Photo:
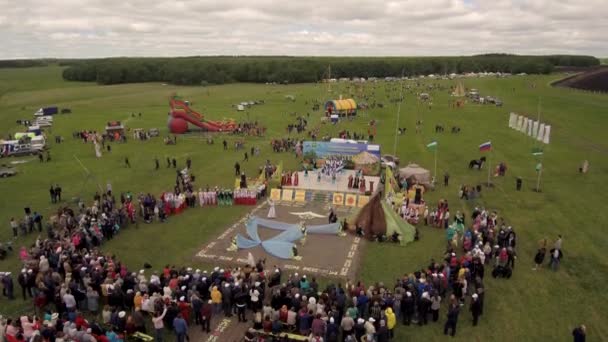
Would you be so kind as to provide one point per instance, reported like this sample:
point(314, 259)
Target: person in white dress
point(271, 212)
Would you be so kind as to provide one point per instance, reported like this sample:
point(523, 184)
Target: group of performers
point(245, 196)
point(332, 166)
point(439, 217)
point(411, 215)
point(289, 179)
point(358, 182)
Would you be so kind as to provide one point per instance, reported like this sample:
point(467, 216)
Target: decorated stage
point(311, 182)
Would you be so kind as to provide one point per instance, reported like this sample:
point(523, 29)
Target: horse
point(477, 164)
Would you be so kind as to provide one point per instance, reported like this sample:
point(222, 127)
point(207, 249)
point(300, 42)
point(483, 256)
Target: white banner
point(541, 132)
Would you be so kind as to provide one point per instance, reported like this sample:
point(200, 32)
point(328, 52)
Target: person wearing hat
point(206, 315)
point(423, 308)
point(370, 329)
point(475, 308)
point(359, 329)
point(407, 308)
point(216, 298)
point(391, 321)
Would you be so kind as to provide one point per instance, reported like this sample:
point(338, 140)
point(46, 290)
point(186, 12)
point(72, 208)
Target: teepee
point(377, 218)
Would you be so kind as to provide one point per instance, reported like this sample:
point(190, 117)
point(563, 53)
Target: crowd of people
point(66, 276)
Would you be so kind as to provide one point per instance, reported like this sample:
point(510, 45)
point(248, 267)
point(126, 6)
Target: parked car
point(389, 160)
point(7, 171)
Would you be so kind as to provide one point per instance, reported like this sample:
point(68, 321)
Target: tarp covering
point(342, 107)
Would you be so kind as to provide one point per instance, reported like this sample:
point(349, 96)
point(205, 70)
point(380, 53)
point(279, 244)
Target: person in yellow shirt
point(391, 321)
point(216, 298)
point(137, 300)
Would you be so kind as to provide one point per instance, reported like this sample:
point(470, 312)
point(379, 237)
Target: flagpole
point(489, 166)
point(538, 179)
point(435, 172)
point(398, 113)
point(536, 143)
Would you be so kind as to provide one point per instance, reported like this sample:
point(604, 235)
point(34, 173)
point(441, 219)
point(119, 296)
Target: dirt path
point(223, 329)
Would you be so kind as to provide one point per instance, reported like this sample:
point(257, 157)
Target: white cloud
point(95, 28)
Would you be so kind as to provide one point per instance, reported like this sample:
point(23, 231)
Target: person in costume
point(362, 185)
point(296, 180)
point(233, 245)
point(271, 212)
point(294, 253)
point(319, 176)
point(350, 181)
point(303, 230)
point(288, 175)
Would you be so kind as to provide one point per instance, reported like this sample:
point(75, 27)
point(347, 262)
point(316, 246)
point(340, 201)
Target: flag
point(389, 180)
point(487, 146)
point(278, 172)
point(432, 145)
point(537, 151)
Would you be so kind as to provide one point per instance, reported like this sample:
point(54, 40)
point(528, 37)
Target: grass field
point(531, 306)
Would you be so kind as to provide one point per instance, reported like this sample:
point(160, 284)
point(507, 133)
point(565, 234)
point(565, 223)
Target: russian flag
point(487, 146)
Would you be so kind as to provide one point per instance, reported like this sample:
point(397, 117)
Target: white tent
point(520, 122)
point(535, 129)
point(547, 133)
point(541, 132)
point(512, 120)
point(530, 124)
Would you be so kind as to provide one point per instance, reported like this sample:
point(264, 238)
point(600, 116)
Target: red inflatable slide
point(181, 115)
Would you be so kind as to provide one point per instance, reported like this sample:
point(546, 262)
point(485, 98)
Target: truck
point(47, 111)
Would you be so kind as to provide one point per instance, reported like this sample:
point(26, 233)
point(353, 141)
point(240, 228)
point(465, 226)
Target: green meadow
point(531, 306)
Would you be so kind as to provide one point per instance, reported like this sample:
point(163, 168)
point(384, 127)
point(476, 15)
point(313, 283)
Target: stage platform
point(340, 185)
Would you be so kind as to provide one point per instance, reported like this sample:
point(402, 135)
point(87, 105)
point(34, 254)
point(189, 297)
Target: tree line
point(226, 69)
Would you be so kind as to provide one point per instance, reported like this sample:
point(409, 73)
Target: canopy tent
point(377, 218)
point(459, 90)
point(341, 107)
point(417, 173)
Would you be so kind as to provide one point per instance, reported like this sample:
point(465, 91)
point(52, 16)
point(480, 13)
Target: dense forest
point(226, 69)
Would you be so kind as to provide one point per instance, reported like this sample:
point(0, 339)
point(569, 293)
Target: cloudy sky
point(99, 28)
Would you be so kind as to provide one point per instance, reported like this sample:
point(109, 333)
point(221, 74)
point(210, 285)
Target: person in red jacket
point(206, 314)
point(184, 308)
